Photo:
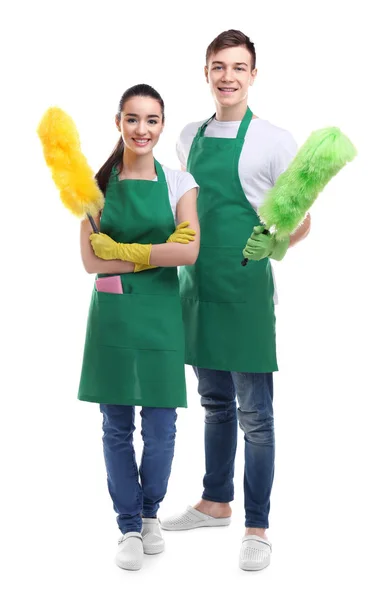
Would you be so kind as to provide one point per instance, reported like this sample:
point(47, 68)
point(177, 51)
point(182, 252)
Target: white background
point(317, 66)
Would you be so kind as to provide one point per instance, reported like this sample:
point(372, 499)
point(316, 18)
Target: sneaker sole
point(215, 523)
point(152, 550)
point(253, 568)
point(130, 567)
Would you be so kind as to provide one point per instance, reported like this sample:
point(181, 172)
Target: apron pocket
point(136, 321)
point(217, 276)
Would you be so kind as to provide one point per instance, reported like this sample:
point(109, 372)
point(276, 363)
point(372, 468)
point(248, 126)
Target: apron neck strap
point(202, 129)
point(242, 128)
point(159, 171)
point(244, 124)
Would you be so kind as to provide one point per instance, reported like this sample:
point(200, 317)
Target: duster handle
point(93, 224)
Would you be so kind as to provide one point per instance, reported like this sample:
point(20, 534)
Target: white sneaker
point(191, 518)
point(153, 542)
point(130, 553)
point(255, 553)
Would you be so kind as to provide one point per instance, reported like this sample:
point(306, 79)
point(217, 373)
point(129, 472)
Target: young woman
point(134, 350)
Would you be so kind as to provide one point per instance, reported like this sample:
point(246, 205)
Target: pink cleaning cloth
point(111, 285)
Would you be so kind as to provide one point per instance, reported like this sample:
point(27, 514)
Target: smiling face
point(229, 73)
point(140, 124)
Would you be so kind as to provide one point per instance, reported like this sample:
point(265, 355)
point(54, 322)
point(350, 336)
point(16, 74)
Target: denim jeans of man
point(137, 492)
point(254, 392)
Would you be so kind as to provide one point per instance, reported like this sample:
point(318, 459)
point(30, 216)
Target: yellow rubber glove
point(107, 249)
point(182, 235)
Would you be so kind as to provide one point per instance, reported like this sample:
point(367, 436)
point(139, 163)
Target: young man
point(228, 309)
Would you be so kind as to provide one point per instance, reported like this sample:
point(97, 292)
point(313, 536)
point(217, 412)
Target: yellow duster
point(70, 171)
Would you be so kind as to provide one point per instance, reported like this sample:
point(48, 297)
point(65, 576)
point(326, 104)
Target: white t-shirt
point(179, 182)
point(267, 152)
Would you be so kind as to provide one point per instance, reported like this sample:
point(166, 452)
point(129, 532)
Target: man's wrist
point(280, 248)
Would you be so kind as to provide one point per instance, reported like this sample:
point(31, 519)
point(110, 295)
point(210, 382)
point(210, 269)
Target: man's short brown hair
point(230, 39)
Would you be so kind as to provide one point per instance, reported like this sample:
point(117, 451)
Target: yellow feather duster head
point(70, 171)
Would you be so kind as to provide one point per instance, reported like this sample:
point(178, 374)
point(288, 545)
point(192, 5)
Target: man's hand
point(265, 245)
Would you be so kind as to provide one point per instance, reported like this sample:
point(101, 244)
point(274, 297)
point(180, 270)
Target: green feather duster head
point(321, 157)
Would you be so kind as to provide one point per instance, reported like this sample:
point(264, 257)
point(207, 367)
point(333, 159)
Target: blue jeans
point(254, 392)
point(133, 497)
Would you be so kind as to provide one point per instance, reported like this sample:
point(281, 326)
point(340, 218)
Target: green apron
point(228, 309)
point(134, 349)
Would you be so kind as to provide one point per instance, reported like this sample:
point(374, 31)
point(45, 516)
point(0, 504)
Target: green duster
point(321, 157)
